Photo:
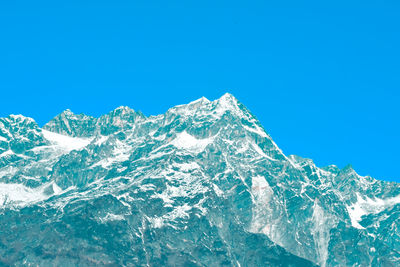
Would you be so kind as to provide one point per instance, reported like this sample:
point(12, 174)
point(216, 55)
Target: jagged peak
point(225, 102)
point(19, 117)
point(67, 112)
point(204, 99)
point(69, 123)
point(331, 168)
point(122, 112)
point(228, 102)
point(123, 108)
point(201, 100)
point(348, 171)
point(228, 97)
point(70, 115)
point(348, 168)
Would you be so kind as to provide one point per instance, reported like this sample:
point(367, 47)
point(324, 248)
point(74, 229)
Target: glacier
point(202, 185)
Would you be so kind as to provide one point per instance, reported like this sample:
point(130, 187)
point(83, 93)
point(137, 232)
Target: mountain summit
point(201, 185)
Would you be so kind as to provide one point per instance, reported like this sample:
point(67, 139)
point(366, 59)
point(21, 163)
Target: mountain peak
point(121, 111)
point(348, 168)
point(67, 112)
point(227, 101)
point(201, 100)
point(71, 124)
point(20, 118)
point(228, 96)
point(206, 170)
point(124, 108)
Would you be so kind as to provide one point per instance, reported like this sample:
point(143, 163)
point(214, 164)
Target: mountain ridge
point(210, 160)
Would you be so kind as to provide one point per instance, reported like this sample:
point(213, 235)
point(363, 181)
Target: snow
point(200, 100)
point(217, 190)
point(178, 212)
point(101, 140)
point(156, 222)
point(112, 217)
point(259, 151)
point(262, 196)
point(321, 232)
point(226, 102)
point(20, 117)
point(186, 166)
point(241, 147)
point(8, 170)
point(56, 189)
point(186, 141)
point(256, 130)
point(365, 206)
point(7, 153)
point(66, 143)
point(120, 153)
point(19, 194)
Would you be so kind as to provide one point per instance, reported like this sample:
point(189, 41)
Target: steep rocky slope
point(202, 185)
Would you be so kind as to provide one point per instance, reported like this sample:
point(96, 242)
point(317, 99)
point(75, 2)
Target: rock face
point(201, 185)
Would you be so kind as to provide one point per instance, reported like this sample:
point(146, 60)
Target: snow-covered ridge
point(207, 162)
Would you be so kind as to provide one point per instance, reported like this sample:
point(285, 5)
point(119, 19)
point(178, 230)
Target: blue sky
point(323, 77)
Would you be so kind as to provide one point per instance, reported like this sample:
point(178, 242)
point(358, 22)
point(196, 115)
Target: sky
point(323, 77)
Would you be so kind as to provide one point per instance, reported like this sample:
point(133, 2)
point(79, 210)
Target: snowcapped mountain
point(201, 185)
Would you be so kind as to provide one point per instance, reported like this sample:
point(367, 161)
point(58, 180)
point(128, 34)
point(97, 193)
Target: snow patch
point(7, 153)
point(19, 194)
point(186, 166)
point(178, 213)
point(56, 189)
point(112, 217)
point(186, 141)
point(66, 143)
point(262, 195)
point(101, 140)
point(321, 232)
point(365, 206)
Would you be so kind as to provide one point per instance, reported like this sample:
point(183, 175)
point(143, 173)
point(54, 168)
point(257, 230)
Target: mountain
point(201, 185)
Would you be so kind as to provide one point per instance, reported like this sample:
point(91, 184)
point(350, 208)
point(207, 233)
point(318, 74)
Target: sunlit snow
point(19, 194)
point(365, 205)
point(64, 142)
point(186, 141)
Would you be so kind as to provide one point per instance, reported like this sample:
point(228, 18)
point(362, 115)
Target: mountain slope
point(202, 184)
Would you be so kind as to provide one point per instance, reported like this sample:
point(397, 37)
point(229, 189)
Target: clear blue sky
point(323, 77)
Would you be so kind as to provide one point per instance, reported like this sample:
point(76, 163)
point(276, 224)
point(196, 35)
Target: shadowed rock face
point(201, 185)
